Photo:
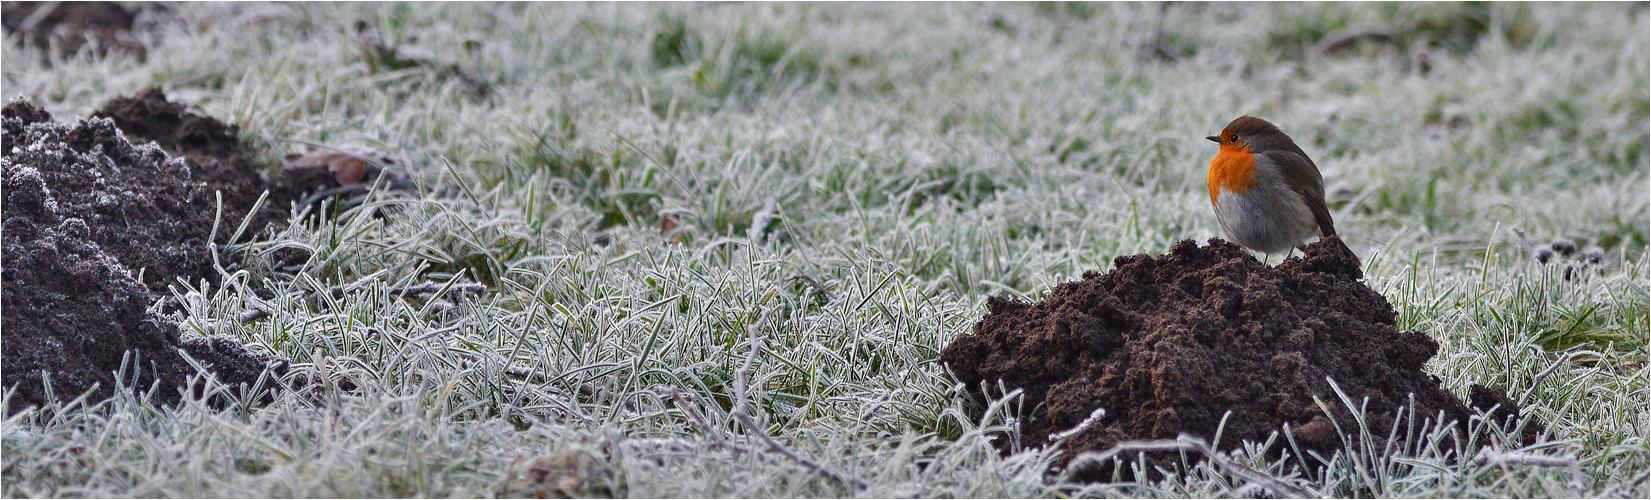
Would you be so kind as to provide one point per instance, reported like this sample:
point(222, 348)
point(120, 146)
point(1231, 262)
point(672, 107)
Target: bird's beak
point(1214, 138)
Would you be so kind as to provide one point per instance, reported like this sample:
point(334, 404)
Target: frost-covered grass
point(844, 186)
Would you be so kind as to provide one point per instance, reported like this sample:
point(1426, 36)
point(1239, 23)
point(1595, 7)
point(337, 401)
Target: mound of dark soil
point(214, 155)
point(1168, 345)
point(84, 209)
point(71, 24)
point(149, 116)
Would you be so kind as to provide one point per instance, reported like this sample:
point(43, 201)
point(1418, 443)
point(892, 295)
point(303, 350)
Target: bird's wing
point(1304, 176)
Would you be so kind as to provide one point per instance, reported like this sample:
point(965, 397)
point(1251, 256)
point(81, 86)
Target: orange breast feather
point(1233, 169)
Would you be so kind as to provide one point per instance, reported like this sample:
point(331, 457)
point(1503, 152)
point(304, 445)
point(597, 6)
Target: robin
point(1268, 195)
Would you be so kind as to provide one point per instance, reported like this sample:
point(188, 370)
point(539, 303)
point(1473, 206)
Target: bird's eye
point(1235, 137)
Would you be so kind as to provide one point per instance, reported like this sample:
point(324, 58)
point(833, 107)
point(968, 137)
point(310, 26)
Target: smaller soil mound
point(157, 219)
point(1169, 344)
point(149, 116)
point(71, 24)
point(83, 207)
point(215, 157)
point(143, 208)
point(213, 152)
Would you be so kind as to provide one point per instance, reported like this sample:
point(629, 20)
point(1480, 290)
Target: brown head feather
point(1261, 137)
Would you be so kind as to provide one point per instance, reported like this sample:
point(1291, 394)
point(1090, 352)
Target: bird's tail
point(1336, 250)
point(1341, 246)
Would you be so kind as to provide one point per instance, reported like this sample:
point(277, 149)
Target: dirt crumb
point(1169, 344)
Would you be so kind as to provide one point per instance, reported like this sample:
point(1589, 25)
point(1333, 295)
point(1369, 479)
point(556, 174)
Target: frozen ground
point(645, 187)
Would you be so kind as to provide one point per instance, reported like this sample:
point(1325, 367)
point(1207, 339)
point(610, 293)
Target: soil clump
point(215, 155)
point(157, 216)
point(1169, 344)
point(84, 210)
point(212, 150)
point(71, 25)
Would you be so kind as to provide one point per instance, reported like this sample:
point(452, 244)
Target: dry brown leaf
point(558, 475)
point(347, 168)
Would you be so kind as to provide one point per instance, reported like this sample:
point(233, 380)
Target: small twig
point(424, 289)
point(224, 278)
point(865, 418)
point(1345, 39)
point(693, 416)
point(818, 287)
point(740, 413)
point(744, 373)
point(328, 193)
point(1094, 416)
point(759, 222)
point(212, 246)
point(1098, 458)
point(1523, 241)
point(1541, 377)
point(524, 373)
point(1488, 455)
point(254, 314)
point(1186, 442)
point(40, 14)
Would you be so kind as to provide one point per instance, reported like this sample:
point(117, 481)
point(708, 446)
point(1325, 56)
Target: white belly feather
point(1269, 218)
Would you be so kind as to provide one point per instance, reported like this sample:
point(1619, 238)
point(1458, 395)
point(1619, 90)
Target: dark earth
point(214, 150)
point(1169, 344)
point(175, 245)
point(71, 25)
point(95, 229)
